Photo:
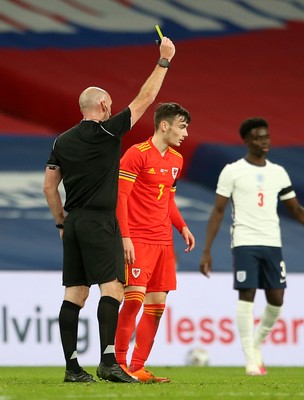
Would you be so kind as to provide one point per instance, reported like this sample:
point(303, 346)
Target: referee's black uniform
point(88, 156)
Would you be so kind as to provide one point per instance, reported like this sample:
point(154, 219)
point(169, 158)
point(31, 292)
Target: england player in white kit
point(254, 185)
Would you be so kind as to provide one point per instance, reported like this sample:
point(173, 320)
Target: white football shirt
point(254, 192)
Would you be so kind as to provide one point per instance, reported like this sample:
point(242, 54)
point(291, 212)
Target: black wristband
point(164, 62)
point(59, 226)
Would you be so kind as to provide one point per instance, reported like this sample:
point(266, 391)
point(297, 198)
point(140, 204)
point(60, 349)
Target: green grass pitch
point(46, 383)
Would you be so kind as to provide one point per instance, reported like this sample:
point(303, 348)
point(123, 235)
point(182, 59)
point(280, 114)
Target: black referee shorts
point(92, 248)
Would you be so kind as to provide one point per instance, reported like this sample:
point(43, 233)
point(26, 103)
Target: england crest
point(241, 276)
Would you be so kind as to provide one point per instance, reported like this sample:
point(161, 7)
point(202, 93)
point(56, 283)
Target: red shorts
point(154, 268)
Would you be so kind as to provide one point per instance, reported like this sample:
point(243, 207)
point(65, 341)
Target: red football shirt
point(146, 208)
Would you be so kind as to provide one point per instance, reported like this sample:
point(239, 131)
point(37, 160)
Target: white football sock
point(245, 325)
point(268, 319)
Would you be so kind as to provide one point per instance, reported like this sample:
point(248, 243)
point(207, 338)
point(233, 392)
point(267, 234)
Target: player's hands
point(188, 238)
point(167, 48)
point(129, 251)
point(206, 264)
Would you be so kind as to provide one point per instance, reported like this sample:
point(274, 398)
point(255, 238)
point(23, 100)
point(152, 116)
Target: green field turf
point(46, 383)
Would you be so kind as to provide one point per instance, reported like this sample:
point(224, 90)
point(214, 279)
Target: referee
point(86, 159)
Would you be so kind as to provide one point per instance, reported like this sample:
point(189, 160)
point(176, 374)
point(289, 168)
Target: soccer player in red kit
point(146, 212)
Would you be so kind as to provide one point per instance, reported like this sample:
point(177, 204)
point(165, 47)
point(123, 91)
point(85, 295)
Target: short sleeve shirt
point(254, 192)
point(88, 155)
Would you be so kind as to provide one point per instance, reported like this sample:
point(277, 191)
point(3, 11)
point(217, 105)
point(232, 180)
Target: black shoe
point(81, 376)
point(114, 373)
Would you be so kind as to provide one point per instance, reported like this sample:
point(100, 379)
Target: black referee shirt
point(88, 155)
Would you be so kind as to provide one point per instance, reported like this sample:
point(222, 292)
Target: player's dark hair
point(168, 112)
point(252, 123)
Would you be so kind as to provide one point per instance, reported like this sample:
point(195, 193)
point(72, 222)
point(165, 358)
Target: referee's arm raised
point(151, 87)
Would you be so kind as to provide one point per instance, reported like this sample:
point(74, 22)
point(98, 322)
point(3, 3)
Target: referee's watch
point(164, 62)
point(59, 226)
